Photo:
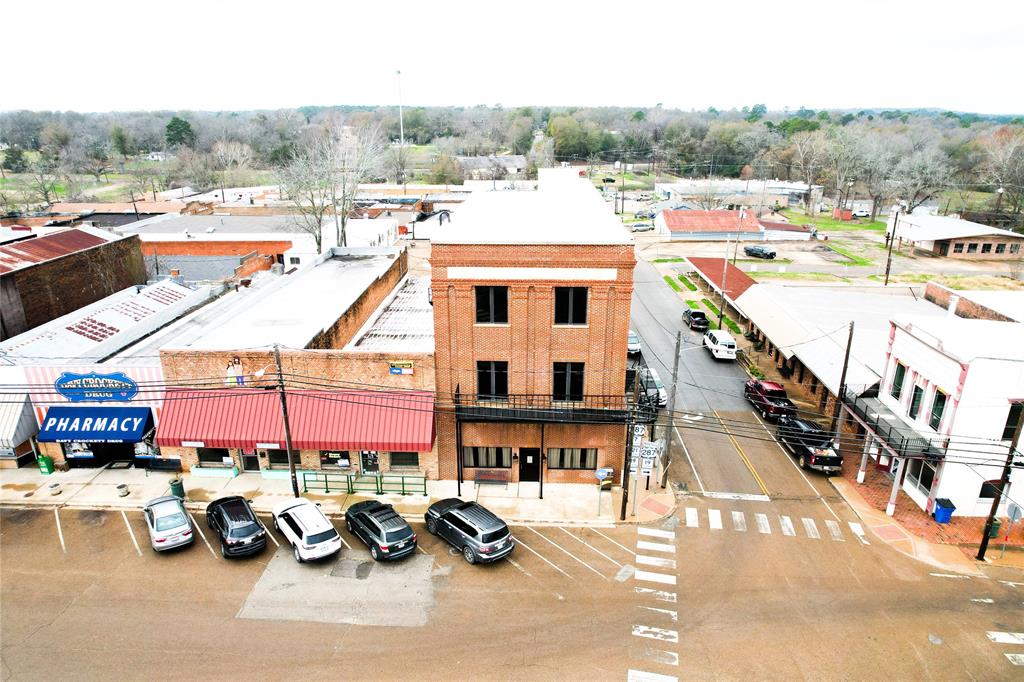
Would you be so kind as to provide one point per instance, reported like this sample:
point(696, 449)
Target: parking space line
point(195, 527)
point(660, 656)
point(787, 526)
point(674, 615)
point(591, 547)
point(656, 561)
point(833, 529)
point(686, 451)
point(1006, 637)
point(715, 519)
point(613, 541)
point(539, 556)
point(762, 523)
point(811, 529)
point(270, 534)
point(655, 547)
point(60, 532)
point(657, 533)
point(570, 554)
point(1016, 659)
point(739, 521)
point(130, 532)
point(858, 530)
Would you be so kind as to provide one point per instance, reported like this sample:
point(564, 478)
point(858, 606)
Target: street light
point(999, 198)
point(401, 122)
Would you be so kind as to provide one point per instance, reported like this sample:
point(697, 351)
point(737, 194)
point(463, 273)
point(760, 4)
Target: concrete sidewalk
point(516, 503)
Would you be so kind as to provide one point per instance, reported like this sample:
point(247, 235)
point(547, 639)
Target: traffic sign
point(603, 473)
point(1014, 512)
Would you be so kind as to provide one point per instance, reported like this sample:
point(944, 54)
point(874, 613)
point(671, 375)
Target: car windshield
point(633, 338)
point(170, 521)
point(728, 344)
point(778, 394)
point(400, 534)
point(317, 538)
point(244, 531)
point(697, 315)
point(494, 535)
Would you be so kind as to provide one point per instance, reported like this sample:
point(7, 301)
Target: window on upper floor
point(1013, 419)
point(915, 402)
point(491, 305)
point(492, 380)
point(568, 381)
point(938, 408)
point(570, 305)
point(897, 380)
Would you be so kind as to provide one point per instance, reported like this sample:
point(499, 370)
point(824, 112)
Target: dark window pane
point(570, 305)
point(491, 379)
point(492, 305)
point(938, 407)
point(579, 305)
point(562, 305)
point(278, 457)
point(212, 455)
point(568, 381)
point(1012, 419)
point(915, 402)
point(897, 380)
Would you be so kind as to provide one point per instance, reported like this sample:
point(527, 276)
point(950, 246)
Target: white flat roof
point(924, 227)
point(566, 209)
point(202, 227)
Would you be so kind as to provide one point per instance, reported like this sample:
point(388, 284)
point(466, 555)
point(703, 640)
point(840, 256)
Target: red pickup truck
point(769, 398)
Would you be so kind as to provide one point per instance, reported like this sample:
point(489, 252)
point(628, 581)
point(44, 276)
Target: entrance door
point(371, 464)
point(250, 461)
point(529, 464)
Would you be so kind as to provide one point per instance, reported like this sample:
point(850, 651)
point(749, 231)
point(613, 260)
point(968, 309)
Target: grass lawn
point(825, 223)
point(668, 260)
point(853, 258)
point(687, 283)
point(672, 283)
point(805, 276)
point(693, 304)
point(784, 261)
point(955, 281)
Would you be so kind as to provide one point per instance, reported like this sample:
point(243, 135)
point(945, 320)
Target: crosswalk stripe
point(644, 676)
point(858, 530)
point(833, 529)
point(739, 522)
point(691, 518)
point(787, 526)
point(656, 533)
point(1016, 659)
point(673, 615)
point(655, 546)
point(660, 595)
point(715, 519)
point(660, 634)
point(1006, 637)
point(652, 577)
point(762, 523)
point(655, 561)
point(811, 529)
point(660, 656)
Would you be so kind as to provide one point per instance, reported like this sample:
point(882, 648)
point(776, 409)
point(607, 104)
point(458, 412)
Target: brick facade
point(201, 247)
point(943, 296)
point(1012, 248)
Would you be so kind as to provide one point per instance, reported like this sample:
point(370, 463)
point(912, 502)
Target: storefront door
point(250, 461)
point(369, 461)
point(529, 464)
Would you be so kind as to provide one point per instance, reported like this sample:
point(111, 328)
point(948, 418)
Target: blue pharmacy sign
point(93, 387)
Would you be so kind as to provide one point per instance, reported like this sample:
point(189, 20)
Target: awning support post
point(897, 475)
point(862, 471)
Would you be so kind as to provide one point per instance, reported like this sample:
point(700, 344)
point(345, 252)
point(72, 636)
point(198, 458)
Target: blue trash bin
point(943, 510)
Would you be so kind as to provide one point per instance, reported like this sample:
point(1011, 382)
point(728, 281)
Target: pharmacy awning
point(66, 424)
point(250, 418)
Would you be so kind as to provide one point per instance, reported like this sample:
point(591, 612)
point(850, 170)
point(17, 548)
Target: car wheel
point(298, 557)
point(432, 526)
point(375, 553)
point(467, 554)
point(223, 550)
point(764, 414)
point(803, 462)
point(348, 525)
point(275, 524)
point(209, 523)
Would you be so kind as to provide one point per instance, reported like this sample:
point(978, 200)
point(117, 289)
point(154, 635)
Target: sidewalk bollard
point(55, 489)
point(122, 490)
point(178, 488)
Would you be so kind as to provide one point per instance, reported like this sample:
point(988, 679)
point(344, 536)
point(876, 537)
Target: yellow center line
point(743, 455)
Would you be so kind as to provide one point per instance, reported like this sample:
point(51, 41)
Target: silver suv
point(476, 531)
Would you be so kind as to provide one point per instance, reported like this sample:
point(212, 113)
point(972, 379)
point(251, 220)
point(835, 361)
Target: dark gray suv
point(378, 525)
point(477, 532)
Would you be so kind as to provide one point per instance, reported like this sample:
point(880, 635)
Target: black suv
point(759, 252)
point(386, 533)
point(240, 532)
point(811, 444)
point(476, 531)
point(696, 320)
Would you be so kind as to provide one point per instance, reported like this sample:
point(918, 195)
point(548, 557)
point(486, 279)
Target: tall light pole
point(999, 198)
point(401, 121)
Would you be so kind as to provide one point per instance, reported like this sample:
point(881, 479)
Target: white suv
point(721, 345)
point(307, 530)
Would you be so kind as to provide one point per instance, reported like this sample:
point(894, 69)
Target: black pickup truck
point(769, 398)
point(695, 320)
point(810, 444)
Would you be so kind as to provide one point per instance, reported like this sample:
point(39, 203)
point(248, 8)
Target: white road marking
point(60, 532)
point(834, 531)
point(692, 521)
point(655, 561)
point(657, 533)
point(950, 575)
point(745, 497)
point(660, 595)
point(787, 525)
point(858, 530)
point(688, 458)
point(1016, 659)
point(762, 523)
point(527, 548)
point(984, 601)
point(665, 612)
point(660, 656)
point(739, 522)
point(567, 552)
point(644, 676)
point(595, 549)
point(613, 541)
point(270, 534)
point(811, 529)
point(130, 532)
point(655, 546)
point(715, 519)
point(195, 529)
point(1012, 584)
point(1006, 637)
point(798, 469)
point(651, 577)
point(530, 576)
point(660, 634)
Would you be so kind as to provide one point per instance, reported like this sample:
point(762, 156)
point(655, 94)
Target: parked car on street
point(168, 523)
point(721, 344)
point(811, 444)
point(656, 388)
point(641, 227)
point(755, 251)
point(696, 320)
point(387, 534)
point(234, 521)
point(633, 343)
point(769, 398)
point(471, 528)
point(862, 213)
point(307, 530)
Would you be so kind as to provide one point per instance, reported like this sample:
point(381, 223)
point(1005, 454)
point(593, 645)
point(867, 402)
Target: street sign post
point(602, 475)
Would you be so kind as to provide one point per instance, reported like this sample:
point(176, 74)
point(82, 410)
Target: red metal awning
point(387, 421)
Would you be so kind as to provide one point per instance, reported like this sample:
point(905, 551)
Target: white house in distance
point(951, 395)
point(952, 237)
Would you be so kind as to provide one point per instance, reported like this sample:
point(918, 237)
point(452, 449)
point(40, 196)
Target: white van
point(721, 345)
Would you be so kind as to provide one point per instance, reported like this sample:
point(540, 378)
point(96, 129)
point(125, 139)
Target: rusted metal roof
point(736, 281)
point(41, 249)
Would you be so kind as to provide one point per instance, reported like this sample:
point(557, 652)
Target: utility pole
point(134, 207)
point(892, 239)
point(725, 276)
point(842, 388)
point(401, 120)
point(625, 465)
point(671, 410)
point(284, 415)
point(1004, 483)
point(622, 186)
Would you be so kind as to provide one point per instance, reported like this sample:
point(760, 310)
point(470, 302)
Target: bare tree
point(44, 174)
point(350, 156)
point(878, 159)
point(706, 198)
point(396, 161)
point(306, 180)
point(231, 154)
point(920, 175)
point(810, 153)
point(1004, 164)
point(844, 160)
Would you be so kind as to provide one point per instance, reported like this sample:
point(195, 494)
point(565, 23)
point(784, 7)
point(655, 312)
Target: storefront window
point(405, 459)
point(487, 457)
point(335, 460)
point(921, 474)
point(572, 458)
point(278, 459)
point(897, 380)
point(213, 456)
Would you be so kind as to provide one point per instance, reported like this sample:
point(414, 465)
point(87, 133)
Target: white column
point(897, 470)
point(868, 443)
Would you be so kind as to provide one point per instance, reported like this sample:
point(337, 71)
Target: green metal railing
point(336, 482)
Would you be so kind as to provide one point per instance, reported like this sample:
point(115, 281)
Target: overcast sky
point(224, 55)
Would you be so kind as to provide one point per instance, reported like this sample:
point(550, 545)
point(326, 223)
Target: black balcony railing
point(899, 436)
point(591, 409)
